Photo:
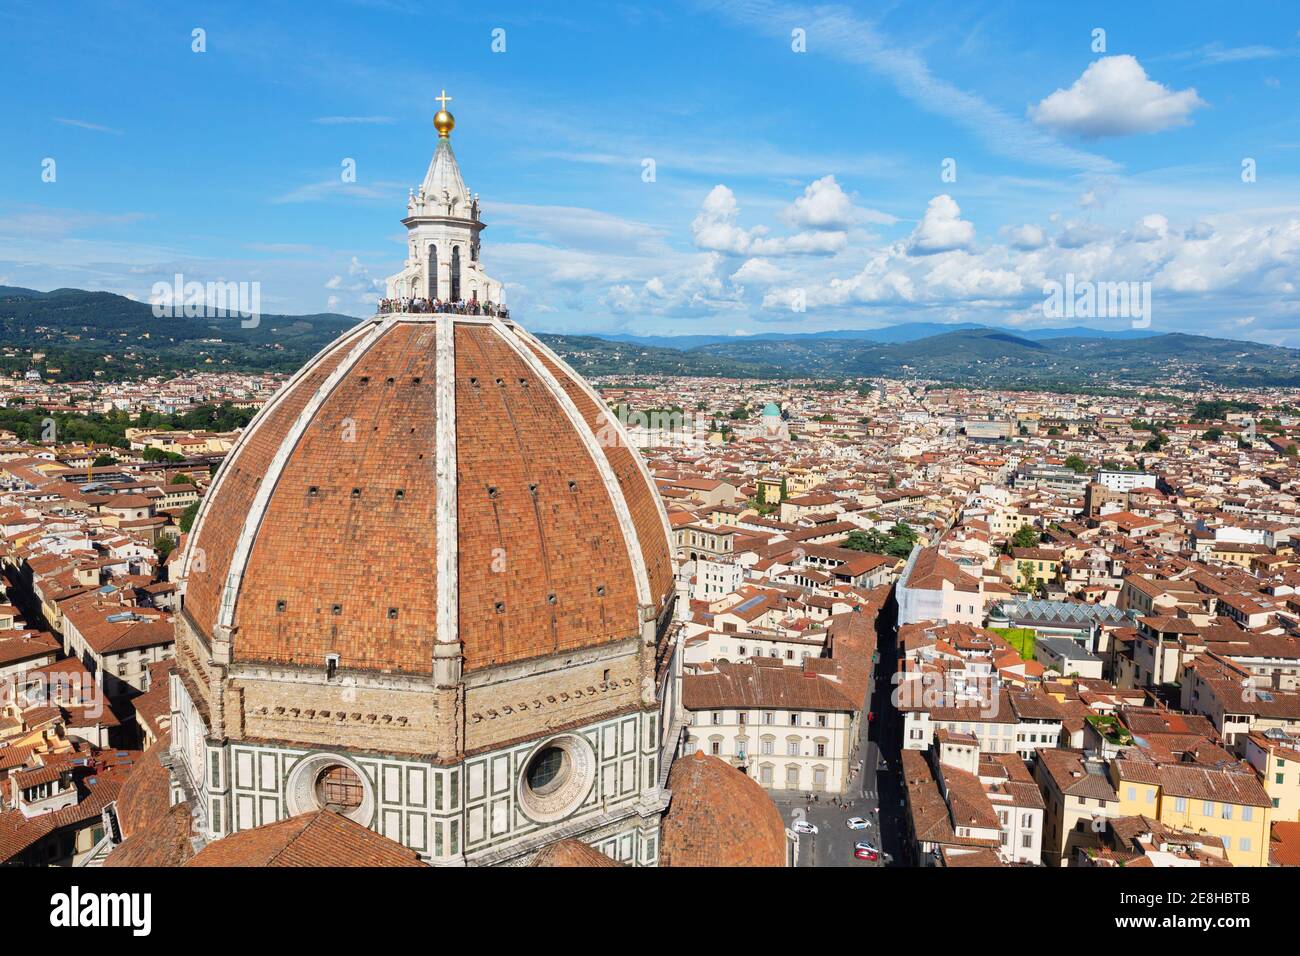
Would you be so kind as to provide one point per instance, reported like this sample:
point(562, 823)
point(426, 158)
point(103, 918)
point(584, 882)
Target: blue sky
point(792, 190)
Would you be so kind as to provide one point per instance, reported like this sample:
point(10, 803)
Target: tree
point(1026, 537)
point(1076, 464)
point(158, 454)
point(897, 543)
point(187, 517)
point(180, 478)
point(103, 461)
point(1212, 434)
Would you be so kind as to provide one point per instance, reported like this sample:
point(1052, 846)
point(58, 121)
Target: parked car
point(865, 851)
point(856, 823)
point(803, 826)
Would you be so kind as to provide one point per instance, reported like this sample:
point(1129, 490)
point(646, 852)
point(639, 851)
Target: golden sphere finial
point(443, 121)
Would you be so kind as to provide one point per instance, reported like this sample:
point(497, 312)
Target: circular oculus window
point(330, 781)
point(557, 777)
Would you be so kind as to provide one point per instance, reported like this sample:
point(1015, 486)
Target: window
point(1027, 841)
point(766, 745)
point(338, 788)
point(821, 722)
point(717, 717)
point(821, 750)
point(1244, 844)
point(715, 747)
point(792, 748)
point(792, 777)
point(765, 775)
point(1151, 795)
point(794, 719)
point(819, 778)
point(1227, 811)
point(1207, 808)
point(547, 771)
point(1180, 804)
point(1278, 777)
point(1132, 793)
point(1248, 813)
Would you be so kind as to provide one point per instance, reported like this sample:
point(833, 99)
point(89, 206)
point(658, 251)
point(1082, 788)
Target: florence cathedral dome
point(430, 586)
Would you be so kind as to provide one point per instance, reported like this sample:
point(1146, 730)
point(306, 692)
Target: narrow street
point(875, 793)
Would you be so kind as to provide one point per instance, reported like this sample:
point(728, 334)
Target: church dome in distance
point(718, 816)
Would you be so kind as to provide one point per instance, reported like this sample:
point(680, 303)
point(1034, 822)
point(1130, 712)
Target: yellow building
point(769, 490)
point(1035, 565)
point(1275, 755)
point(1229, 806)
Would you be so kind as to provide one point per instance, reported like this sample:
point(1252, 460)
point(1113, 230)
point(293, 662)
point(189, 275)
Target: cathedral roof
point(322, 838)
point(154, 832)
point(428, 478)
point(718, 816)
point(571, 853)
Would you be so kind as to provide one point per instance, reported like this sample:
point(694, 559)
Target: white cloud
point(82, 124)
point(577, 227)
point(1114, 97)
point(1028, 236)
point(335, 188)
point(759, 272)
point(860, 41)
point(1077, 234)
point(715, 229)
point(1205, 274)
point(941, 229)
point(1150, 228)
point(825, 205)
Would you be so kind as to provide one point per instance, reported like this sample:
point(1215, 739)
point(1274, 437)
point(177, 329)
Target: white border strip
point(622, 432)
point(448, 524)
point(606, 470)
point(258, 421)
point(257, 511)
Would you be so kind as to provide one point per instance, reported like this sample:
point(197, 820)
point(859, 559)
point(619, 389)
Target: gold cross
point(444, 99)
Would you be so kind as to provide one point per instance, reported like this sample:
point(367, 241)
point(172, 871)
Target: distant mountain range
point(77, 330)
point(84, 333)
point(981, 356)
point(903, 332)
